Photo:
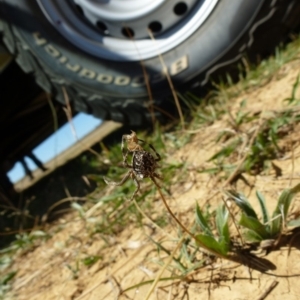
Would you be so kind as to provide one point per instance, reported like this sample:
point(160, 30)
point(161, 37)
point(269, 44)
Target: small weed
point(74, 270)
point(79, 208)
point(25, 241)
point(218, 244)
point(226, 151)
point(293, 99)
point(5, 283)
point(90, 260)
point(270, 227)
point(264, 148)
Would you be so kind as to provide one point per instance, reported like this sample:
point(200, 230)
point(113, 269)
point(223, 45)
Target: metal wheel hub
point(119, 29)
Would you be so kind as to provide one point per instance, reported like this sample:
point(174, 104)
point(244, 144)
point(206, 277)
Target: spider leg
point(118, 183)
point(136, 182)
point(125, 154)
point(158, 158)
point(127, 165)
point(124, 150)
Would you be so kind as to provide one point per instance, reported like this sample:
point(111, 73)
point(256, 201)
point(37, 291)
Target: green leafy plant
point(25, 241)
point(270, 227)
point(5, 283)
point(90, 260)
point(293, 99)
point(221, 243)
point(227, 150)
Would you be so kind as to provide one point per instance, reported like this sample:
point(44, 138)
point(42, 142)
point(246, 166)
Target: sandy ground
point(130, 257)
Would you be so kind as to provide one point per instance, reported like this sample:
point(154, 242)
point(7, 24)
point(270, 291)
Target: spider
point(143, 162)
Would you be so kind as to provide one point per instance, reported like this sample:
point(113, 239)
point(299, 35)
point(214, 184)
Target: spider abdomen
point(143, 164)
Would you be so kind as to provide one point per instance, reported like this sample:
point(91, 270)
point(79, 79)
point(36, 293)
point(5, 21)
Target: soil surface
point(54, 269)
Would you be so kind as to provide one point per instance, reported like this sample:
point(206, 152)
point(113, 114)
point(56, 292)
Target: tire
point(66, 43)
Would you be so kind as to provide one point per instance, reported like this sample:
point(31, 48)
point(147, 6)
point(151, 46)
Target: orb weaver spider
point(143, 163)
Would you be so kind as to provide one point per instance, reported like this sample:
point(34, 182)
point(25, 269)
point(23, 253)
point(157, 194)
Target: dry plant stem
point(158, 276)
point(169, 210)
point(291, 243)
point(53, 111)
point(293, 166)
point(182, 226)
point(55, 124)
point(146, 77)
point(66, 190)
point(93, 209)
point(10, 206)
point(234, 222)
point(268, 290)
point(69, 199)
point(171, 117)
point(151, 107)
point(176, 279)
point(68, 112)
point(91, 150)
point(165, 71)
point(113, 280)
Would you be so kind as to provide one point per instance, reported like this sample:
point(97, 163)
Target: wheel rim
point(119, 29)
